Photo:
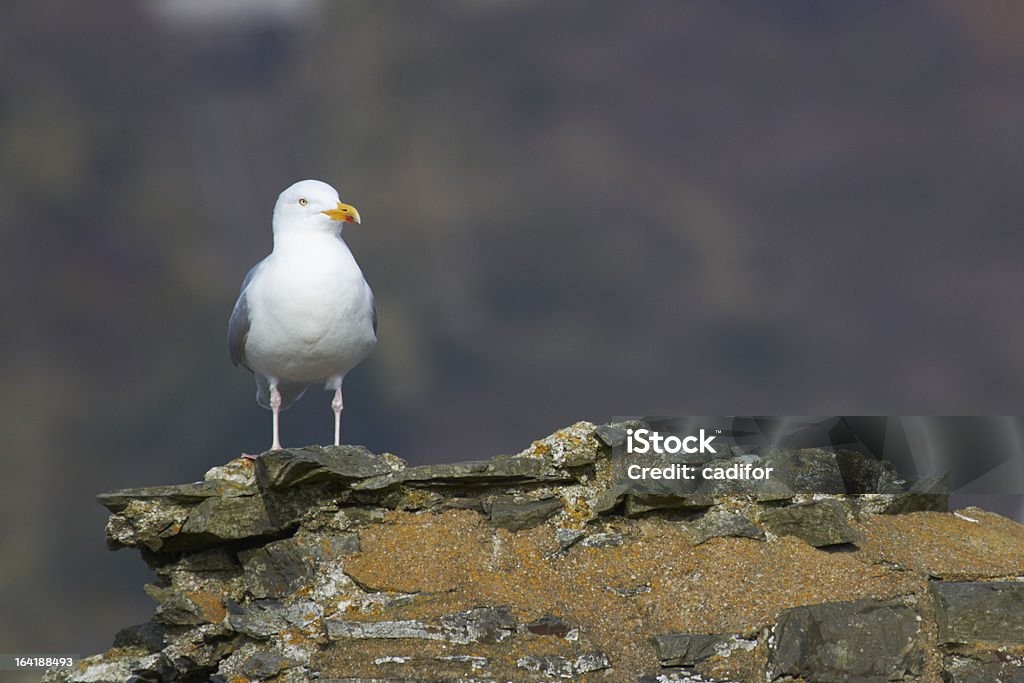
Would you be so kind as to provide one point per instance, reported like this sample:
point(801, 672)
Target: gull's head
point(312, 206)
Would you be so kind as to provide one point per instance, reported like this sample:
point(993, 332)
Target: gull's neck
point(306, 239)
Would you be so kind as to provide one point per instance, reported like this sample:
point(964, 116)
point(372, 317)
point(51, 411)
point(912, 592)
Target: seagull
point(305, 314)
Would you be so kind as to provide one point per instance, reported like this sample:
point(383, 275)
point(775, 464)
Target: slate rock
point(723, 523)
point(260, 619)
point(591, 661)
point(182, 494)
point(985, 667)
point(683, 649)
point(265, 665)
point(818, 523)
point(188, 517)
point(678, 674)
point(158, 668)
point(605, 539)
point(149, 635)
point(407, 498)
point(990, 612)
point(173, 608)
point(928, 494)
point(612, 436)
point(863, 474)
point(566, 538)
point(642, 495)
point(218, 520)
point(278, 546)
point(547, 665)
point(507, 512)
point(283, 469)
point(564, 667)
point(458, 503)
point(646, 495)
point(386, 630)
point(806, 470)
point(212, 561)
point(863, 641)
point(499, 471)
point(143, 524)
point(265, 618)
point(278, 568)
point(608, 500)
point(549, 625)
point(477, 625)
point(573, 446)
point(775, 487)
point(640, 503)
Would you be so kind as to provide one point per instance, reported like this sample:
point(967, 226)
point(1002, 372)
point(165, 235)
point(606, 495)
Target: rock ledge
point(337, 564)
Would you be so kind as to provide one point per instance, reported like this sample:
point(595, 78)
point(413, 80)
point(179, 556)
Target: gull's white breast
point(310, 311)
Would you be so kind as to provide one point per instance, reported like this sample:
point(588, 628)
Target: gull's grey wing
point(373, 313)
point(238, 330)
point(238, 325)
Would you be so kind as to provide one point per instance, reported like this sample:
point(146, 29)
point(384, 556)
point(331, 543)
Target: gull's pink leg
point(275, 405)
point(336, 406)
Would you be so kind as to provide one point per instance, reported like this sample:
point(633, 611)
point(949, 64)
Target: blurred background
point(570, 211)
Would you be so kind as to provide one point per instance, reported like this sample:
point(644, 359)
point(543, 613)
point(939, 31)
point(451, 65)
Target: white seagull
point(305, 314)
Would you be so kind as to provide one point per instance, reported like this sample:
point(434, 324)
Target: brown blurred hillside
point(571, 210)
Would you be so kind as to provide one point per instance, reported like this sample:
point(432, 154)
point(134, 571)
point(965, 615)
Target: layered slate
point(344, 565)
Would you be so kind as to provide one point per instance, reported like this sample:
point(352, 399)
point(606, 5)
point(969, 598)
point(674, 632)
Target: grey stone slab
point(819, 523)
point(864, 474)
point(516, 515)
point(989, 612)
point(219, 520)
point(259, 619)
point(929, 494)
point(984, 667)
point(276, 569)
point(282, 469)
point(806, 470)
point(477, 625)
point(684, 649)
point(495, 472)
point(549, 625)
point(863, 641)
point(182, 494)
point(722, 523)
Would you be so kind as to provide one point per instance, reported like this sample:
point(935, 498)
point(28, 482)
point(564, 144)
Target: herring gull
point(305, 314)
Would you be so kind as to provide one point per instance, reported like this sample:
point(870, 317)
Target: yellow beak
point(343, 212)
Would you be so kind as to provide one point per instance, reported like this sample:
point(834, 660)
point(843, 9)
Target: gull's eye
point(303, 201)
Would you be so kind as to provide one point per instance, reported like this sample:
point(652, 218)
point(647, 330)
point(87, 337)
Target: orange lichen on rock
point(210, 605)
point(411, 553)
point(655, 581)
point(972, 545)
